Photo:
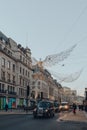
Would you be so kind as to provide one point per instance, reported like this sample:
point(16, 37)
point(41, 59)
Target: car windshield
point(56, 104)
point(63, 104)
point(43, 104)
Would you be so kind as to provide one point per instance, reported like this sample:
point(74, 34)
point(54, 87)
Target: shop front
point(11, 103)
point(2, 102)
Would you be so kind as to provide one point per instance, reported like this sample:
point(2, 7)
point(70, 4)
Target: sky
point(48, 27)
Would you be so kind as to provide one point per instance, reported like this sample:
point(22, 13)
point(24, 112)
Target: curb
point(16, 113)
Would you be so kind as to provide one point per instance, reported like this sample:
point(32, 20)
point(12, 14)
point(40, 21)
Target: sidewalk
point(3, 112)
point(80, 116)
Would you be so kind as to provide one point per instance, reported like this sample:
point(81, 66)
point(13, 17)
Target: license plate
point(40, 114)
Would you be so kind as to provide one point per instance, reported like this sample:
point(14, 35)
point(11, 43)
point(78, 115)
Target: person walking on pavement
point(6, 107)
point(74, 108)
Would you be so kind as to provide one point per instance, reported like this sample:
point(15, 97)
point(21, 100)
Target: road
point(27, 122)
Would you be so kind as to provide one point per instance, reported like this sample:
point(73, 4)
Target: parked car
point(64, 106)
point(44, 109)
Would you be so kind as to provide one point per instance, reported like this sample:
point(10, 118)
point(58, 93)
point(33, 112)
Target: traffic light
point(86, 95)
point(41, 95)
point(28, 90)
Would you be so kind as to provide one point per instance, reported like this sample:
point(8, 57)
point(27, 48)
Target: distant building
point(69, 95)
point(44, 86)
point(80, 99)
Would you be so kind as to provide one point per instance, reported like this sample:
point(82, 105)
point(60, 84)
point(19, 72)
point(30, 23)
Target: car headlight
point(60, 107)
point(66, 107)
point(46, 110)
point(35, 109)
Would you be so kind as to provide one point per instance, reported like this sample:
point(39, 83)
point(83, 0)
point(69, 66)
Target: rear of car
point(44, 109)
point(56, 106)
point(64, 106)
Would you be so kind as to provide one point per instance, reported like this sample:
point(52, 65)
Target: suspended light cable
point(74, 23)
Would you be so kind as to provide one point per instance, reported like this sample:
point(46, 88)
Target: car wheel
point(34, 115)
point(52, 114)
point(48, 115)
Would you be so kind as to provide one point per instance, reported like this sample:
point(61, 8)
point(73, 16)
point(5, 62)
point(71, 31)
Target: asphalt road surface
point(27, 122)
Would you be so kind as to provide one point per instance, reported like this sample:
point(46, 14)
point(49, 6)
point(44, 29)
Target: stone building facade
point(43, 85)
point(15, 72)
point(69, 95)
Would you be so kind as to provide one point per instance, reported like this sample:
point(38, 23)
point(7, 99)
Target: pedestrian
point(82, 107)
point(6, 107)
point(79, 107)
point(74, 108)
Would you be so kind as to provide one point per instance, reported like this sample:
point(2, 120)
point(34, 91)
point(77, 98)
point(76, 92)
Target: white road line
point(85, 114)
point(61, 118)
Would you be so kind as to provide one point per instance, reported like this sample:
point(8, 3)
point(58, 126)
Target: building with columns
point(69, 95)
point(43, 85)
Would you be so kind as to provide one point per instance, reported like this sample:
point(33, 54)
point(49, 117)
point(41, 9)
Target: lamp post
point(6, 95)
point(6, 103)
point(27, 94)
point(28, 91)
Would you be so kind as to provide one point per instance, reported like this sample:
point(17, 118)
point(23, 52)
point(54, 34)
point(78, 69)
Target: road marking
point(85, 114)
point(61, 118)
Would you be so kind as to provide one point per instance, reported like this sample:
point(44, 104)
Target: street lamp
point(6, 95)
point(27, 94)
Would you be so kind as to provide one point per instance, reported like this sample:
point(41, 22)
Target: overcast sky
point(49, 27)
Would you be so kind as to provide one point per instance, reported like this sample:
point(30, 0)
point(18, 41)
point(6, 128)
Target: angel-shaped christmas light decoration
point(66, 77)
point(51, 60)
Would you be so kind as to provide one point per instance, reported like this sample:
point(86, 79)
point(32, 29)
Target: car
point(56, 106)
point(64, 106)
point(44, 109)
